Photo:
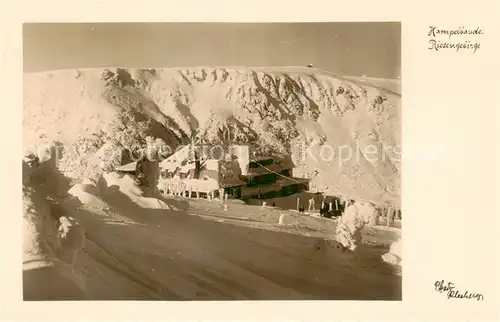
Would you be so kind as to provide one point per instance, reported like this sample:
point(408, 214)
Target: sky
point(372, 49)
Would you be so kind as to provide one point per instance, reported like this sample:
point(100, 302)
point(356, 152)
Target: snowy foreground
point(139, 248)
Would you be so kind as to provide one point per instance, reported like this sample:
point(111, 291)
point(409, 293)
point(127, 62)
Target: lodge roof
point(280, 162)
point(231, 182)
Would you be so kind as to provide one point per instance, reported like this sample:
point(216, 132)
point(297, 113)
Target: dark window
point(266, 162)
point(253, 165)
point(260, 163)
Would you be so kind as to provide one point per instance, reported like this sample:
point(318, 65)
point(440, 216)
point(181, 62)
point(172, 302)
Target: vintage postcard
point(251, 160)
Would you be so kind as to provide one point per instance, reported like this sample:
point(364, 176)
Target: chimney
point(243, 156)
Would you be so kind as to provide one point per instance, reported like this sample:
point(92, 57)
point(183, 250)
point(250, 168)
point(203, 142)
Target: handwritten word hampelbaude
point(435, 31)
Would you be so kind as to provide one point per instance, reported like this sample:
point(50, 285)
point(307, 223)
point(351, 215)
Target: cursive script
point(451, 292)
point(437, 45)
point(434, 31)
point(458, 39)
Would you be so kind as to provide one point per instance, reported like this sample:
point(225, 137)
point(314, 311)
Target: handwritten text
point(458, 39)
point(451, 292)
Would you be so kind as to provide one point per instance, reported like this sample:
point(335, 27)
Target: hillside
point(96, 114)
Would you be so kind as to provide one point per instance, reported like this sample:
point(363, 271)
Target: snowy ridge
point(278, 108)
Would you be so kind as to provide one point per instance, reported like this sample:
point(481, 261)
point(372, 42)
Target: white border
point(449, 105)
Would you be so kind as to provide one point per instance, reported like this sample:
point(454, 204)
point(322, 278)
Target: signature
point(453, 293)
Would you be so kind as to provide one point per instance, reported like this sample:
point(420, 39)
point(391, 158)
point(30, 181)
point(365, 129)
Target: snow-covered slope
point(282, 109)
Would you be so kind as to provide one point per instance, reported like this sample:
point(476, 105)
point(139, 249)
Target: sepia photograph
point(212, 161)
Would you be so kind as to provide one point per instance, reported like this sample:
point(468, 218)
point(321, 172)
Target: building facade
point(232, 170)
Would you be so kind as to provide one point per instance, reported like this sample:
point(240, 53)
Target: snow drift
point(394, 256)
point(51, 243)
